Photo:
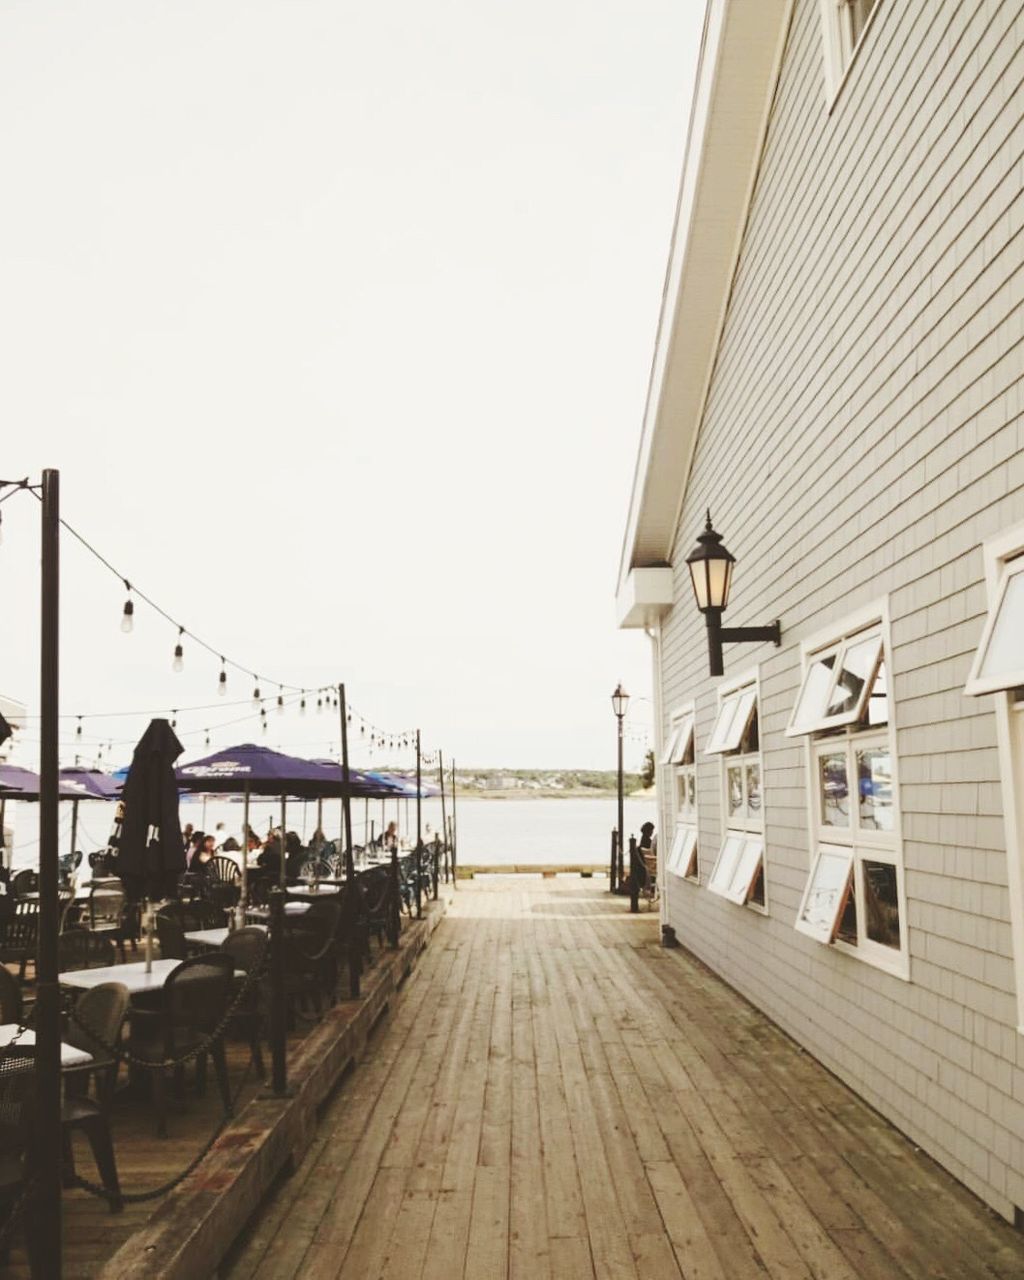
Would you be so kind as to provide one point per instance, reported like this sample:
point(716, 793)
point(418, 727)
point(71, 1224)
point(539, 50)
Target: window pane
point(882, 909)
point(826, 894)
point(874, 783)
point(753, 790)
point(690, 864)
point(726, 865)
point(734, 785)
point(810, 707)
point(834, 789)
point(681, 796)
point(858, 667)
point(747, 866)
point(691, 789)
point(878, 702)
point(1003, 655)
point(723, 723)
point(744, 711)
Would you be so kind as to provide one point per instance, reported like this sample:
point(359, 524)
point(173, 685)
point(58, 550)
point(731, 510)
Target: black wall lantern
point(710, 567)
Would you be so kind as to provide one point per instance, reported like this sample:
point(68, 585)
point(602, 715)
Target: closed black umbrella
point(151, 853)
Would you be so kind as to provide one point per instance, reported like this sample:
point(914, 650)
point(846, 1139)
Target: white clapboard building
point(838, 379)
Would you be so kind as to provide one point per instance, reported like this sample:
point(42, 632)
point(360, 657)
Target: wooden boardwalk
point(555, 1096)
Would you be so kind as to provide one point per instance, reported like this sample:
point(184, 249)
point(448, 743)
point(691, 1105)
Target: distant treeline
point(545, 780)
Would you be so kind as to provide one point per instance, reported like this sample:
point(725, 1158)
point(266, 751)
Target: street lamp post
point(620, 701)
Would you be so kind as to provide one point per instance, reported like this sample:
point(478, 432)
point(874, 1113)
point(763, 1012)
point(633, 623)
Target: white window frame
point(839, 49)
point(997, 553)
point(743, 835)
point(682, 779)
point(977, 684)
point(866, 845)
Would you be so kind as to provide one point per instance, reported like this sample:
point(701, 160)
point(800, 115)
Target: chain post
point(634, 877)
point(394, 915)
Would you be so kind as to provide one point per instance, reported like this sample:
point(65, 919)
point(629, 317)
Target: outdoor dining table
point(309, 891)
point(259, 914)
point(211, 937)
point(69, 1055)
point(133, 976)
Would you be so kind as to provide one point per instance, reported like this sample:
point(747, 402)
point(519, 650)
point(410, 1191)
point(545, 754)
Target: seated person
point(295, 855)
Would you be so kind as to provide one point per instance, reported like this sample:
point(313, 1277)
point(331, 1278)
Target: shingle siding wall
point(863, 435)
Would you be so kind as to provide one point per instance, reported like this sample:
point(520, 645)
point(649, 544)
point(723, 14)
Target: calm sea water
point(490, 832)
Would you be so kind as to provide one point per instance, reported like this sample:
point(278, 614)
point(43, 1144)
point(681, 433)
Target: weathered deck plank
point(557, 1096)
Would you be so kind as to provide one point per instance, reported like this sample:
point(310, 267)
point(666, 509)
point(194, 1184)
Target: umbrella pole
point(45, 1205)
point(366, 820)
point(3, 843)
point(281, 845)
point(245, 852)
point(354, 958)
point(74, 827)
point(320, 816)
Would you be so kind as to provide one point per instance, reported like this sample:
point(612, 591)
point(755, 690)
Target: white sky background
point(337, 320)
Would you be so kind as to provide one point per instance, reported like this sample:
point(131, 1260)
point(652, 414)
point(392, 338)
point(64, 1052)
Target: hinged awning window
point(734, 715)
point(684, 846)
point(838, 685)
point(999, 662)
point(679, 741)
point(825, 897)
point(737, 868)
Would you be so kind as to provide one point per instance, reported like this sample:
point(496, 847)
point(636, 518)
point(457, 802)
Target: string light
point(280, 701)
point(222, 679)
point(302, 704)
point(179, 654)
point(78, 731)
point(256, 700)
point(174, 722)
point(319, 705)
point(128, 613)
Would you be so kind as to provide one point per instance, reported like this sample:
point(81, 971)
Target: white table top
point(69, 1055)
point(134, 976)
point(212, 937)
point(315, 893)
point(290, 909)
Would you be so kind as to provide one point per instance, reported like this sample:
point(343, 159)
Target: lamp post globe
point(710, 565)
point(620, 701)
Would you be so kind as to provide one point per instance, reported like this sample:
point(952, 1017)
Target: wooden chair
point(247, 949)
point(223, 878)
point(105, 914)
point(18, 933)
point(195, 997)
point(94, 1027)
point(23, 882)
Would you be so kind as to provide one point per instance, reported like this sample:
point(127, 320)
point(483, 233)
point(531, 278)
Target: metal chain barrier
point(119, 1051)
point(140, 1197)
point(17, 1212)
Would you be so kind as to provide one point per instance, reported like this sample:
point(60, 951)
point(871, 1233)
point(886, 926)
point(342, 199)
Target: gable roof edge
point(737, 77)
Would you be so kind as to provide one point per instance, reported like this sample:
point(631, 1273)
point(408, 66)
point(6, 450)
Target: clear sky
point(336, 319)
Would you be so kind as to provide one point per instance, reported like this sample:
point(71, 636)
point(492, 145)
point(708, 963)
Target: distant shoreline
point(542, 793)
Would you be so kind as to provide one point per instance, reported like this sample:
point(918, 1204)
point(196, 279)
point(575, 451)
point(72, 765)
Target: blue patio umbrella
point(74, 784)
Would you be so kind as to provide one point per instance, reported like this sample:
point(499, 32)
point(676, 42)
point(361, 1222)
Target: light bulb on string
point(207, 737)
point(319, 705)
point(128, 612)
point(78, 730)
point(256, 696)
point(222, 679)
point(280, 701)
point(178, 663)
point(174, 721)
point(302, 704)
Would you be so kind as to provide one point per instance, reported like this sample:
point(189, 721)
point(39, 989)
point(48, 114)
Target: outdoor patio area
point(556, 1095)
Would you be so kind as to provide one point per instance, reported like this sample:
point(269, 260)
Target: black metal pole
point(278, 1005)
point(419, 829)
point(634, 877)
point(622, 819)
point(454, 833)
point(46, 1217)
point(351, 906)
point(444, 815)
point(615, 861)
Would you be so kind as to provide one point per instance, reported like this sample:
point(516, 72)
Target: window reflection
point(753, 790)
point(874, 783)
point(878, 702)
point(835, 790)
point(735, 786)
point(691, 790)
point(882, 909)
